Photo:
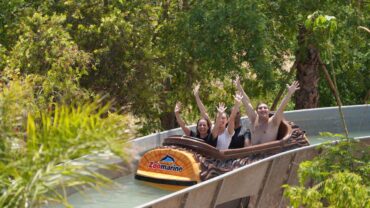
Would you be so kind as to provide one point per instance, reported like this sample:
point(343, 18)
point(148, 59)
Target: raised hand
point(221, 108)
point(293, 87)
point(196, 89)
point(178, 107)
point(238, 98)
point(237, 83)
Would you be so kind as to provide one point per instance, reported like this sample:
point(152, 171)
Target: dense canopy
point(132, 50)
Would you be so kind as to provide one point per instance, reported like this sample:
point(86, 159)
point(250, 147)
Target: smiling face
point(263, 110)
point(202, 126)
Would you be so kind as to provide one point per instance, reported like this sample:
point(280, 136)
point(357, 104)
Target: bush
point(339, 177)
point(37, 146)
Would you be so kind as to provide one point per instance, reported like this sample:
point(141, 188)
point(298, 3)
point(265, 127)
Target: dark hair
point(225, 113)
point(208, 123)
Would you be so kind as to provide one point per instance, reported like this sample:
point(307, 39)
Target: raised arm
point(179, 119)
point(202, 109)
point(252, 115)
point(291, 90)
point(220, 110)
point(234, 111)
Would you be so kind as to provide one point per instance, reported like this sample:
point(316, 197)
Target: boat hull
point(169, 166)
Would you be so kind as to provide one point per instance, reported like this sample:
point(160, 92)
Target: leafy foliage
point(342, 189)
point(47, 54)
point(338, 177)
point(37, 146)
point(321, 29)
point(16, 101)
point(348, 44)
point(132, 50)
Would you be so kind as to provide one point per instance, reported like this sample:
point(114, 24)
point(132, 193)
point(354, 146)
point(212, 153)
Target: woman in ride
point(224, 125)
point(203, 128)
point(204, 125)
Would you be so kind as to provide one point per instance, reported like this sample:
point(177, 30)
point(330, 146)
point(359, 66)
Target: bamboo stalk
point(336, 94)
point(364, 28)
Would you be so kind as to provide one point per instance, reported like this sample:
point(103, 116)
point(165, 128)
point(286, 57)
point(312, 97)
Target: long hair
point(208, 124)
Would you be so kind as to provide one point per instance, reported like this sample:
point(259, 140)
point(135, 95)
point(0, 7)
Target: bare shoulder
point(276, 119)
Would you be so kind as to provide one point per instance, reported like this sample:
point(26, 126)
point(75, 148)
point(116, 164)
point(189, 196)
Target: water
point(316, 139)
point(128, 193)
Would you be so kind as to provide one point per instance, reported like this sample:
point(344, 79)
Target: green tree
point(206, 42)
point(119, 36)
point(46, 53)
point(337, 178)
point(346, 50)
point(146, 55)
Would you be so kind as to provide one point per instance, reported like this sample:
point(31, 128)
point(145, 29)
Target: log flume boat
point(184, 161)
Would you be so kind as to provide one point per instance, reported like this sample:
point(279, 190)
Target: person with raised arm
point(227, 125)
point(237, 140)
point(202, 109)
point(263, 127)
point(203, 128)
point(224, 131)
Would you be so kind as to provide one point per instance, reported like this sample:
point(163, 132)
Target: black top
point(207, 139)
point(237, 141)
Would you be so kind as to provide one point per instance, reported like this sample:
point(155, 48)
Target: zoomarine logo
point(168, 159)
point(166, 163)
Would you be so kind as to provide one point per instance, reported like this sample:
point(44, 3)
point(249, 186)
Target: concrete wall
point(328, 119)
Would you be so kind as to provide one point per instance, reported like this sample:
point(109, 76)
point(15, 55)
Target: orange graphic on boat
point(166, 163)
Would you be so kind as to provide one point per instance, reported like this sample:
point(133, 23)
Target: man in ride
point(264, 128)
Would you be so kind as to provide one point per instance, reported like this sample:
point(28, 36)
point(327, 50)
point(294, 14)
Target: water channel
point(128, 192)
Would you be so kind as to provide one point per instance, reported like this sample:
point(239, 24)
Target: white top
point(224, 139)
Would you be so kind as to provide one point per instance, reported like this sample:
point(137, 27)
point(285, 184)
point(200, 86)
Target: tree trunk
point(307, 74)
point(168, 120)
point(167, 117)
